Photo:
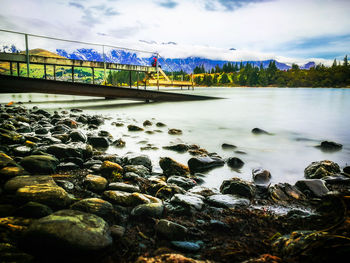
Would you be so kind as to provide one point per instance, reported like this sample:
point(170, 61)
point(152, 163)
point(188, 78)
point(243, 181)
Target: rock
point(171, 167)
point(259, 131)
point(147, 123)
point(129, 199)
point(329, 146)
point(68, 232)
point(235, 162)
point(6, 160)
point(137, 169)
point(78, 136)
point(22, 150)
point(261, 176)
point(160, 124)
point(239, 187)
point(185, 183)
point(312, 187)
point(227, 201)
point(188, 200)
point(17, 182)
point(346, 170)
point(95, 183)
point(171, 230)
point(117, 231)
point(40, 164)
point(119, 143)
point(181, 148)
point(227, 146)
point(151, 210)
point(98, 142)
point(124, 187)
point(175, 131)
point(317, 170)
point(204, 191)
point(51, 195)
point(200, 164)
point(110, 169)
point(186, 246)
point(95, 206)
point(33, 210)
point(134, 128)
point(138, 160)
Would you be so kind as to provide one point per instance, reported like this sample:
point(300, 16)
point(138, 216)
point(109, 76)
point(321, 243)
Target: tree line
point(234, 74)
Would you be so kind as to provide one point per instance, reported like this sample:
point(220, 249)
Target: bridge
point(13, 82)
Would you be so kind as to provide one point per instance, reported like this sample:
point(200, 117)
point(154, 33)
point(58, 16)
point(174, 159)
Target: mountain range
point(169, 64)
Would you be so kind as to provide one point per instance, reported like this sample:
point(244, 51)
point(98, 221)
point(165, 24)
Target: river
point(298, 118)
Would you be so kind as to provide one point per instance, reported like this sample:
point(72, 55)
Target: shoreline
point(50, 168)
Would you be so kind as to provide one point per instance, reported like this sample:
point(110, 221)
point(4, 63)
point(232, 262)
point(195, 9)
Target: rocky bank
point(62, 198)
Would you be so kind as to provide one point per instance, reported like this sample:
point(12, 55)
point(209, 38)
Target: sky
point(287, 30)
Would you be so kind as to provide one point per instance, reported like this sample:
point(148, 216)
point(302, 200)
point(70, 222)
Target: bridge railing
point(24, 45)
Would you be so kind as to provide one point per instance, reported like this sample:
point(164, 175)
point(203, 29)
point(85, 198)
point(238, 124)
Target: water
point(299, 119)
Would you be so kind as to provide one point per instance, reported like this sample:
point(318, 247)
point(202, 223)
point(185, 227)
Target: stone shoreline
point(62, 198)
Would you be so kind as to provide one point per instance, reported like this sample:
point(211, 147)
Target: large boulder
point(172, 167)
point(68, 232)
point(40, 164)
point(237, 186)
point(317, 170)
point(200, 164)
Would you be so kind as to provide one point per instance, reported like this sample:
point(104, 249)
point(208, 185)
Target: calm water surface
point(299, 119)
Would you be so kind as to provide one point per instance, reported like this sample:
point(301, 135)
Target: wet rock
point(171, 167)
point(175, 131)
point(134, 128)
point(227, 146)
point(22, 150)
point(51, 195)
point(17, 182)
point(192, 201)
point(261, 176)
point(98, 142)
point(235, 162)
point(160, 124)
point(110, 169)
point(317, 170)
point(171, 230)
point(259, 131)
point(147, 123)
point(69, 232)
point(227, 201)
point(39, 164)
point(119, 143)
point(95, 206)
point(124, 187)
point(33, 210)
point(78, 136)
point(237, 186)
point(95, 183)
point(138, 160)
point(181, 148)
point(185, 183)
point(150, 210)
point(200, 164)
point(129, 199)
point(312, 187)
point(186, 245)
point(329, 146)
point(137, 169)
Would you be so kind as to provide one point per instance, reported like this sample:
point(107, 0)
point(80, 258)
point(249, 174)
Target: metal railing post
point(27, 53)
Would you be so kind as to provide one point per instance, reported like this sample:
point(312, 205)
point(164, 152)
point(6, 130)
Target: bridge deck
point(14, 84)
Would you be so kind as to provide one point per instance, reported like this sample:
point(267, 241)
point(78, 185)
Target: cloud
point(77, 5)
point(168, 4)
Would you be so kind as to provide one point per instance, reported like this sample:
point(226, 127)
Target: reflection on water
point(298, 118)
